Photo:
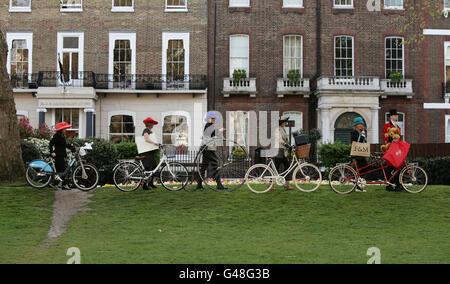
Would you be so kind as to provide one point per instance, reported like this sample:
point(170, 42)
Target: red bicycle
point(344, 178)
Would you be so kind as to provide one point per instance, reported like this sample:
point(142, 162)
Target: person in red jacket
point(393, 122)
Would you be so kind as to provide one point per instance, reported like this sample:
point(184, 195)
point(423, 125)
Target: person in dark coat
point(150, 157)
point(58, 146)
point(210, 158)
point(359, 134)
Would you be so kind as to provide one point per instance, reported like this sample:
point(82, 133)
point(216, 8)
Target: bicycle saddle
point(138, 158)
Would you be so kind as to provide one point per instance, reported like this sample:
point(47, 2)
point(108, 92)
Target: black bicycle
point(41, 173)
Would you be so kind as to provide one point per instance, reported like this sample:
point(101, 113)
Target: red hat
point(62, 125)
point(150, 120)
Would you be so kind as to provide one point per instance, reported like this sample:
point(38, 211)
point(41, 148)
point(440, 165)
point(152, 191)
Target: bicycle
point(260, 178)
point(228, 162)
point(344, 178)
point(129, 175)
point(85, 176)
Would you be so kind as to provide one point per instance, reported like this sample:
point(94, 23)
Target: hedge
point(126, 150)
point(436, 168)
point(29, 151)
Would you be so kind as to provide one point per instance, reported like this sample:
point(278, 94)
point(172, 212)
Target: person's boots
point(287, 185)
point(220, 185)
point(151, 184)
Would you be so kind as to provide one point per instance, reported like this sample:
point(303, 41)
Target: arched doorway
point(344, 126)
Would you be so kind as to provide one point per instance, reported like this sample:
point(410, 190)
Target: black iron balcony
point(24, 81)
point(68, 79)
point(151, 82)
point(109, 81)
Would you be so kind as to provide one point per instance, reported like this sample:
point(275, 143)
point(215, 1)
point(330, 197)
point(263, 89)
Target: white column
point(325, 114)
point(373, 135)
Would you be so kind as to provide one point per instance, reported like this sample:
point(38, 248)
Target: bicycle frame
point(294, 163)
point(382, 168)
point(150, 174)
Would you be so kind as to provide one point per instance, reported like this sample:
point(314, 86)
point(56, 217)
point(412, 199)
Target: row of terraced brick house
point(125, 60)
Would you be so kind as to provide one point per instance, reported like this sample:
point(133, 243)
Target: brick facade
point(266, 22)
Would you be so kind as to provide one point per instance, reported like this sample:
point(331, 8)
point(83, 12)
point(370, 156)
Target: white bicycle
point(129, 175)
point(260, 178)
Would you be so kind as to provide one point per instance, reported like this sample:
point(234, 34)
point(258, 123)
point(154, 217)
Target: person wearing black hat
point(281, 158)
point(393, 122)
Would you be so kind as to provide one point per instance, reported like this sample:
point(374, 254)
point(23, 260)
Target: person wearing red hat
point(150, 157)
point(58, 146)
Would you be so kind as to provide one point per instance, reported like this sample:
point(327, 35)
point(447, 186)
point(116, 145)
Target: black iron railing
point(24, 81)
point(151, 82)
point(69, 79)
point(109, 81)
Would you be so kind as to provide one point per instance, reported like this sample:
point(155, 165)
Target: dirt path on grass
point(67, 204)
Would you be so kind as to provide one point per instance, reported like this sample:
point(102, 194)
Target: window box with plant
point(293, 84)
point(397, 85)
point(239, 83)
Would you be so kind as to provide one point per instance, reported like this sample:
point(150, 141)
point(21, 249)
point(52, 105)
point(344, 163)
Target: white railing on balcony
point(360, 83)
point(243, 86)
point(401, 87)
point(285, 86)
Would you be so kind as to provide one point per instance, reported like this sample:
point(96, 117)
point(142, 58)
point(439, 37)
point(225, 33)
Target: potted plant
point(294, 76)
point(239, 74)
point(238, 154)
point(396, 77)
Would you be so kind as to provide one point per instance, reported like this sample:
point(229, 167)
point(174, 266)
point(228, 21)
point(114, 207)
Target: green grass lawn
point(238, 227)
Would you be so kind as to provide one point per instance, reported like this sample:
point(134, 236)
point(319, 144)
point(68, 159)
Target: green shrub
point(239, 74)
point(126, 150)
point(103, 152)
point(29, 151)
point(436, 168)
point(293, 76)
point(332, 154)
point(41, 144)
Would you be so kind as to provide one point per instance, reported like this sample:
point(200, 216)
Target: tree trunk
point(11, 164)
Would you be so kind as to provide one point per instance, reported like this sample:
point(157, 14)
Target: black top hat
point(393, 112)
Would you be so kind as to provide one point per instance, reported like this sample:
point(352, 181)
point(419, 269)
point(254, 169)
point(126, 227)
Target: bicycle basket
point(303, 151)
point(170, 151)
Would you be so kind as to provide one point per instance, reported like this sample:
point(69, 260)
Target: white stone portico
point(335, 102)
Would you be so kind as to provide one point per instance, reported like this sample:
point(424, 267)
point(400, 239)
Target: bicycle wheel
point(307, 177)
point(413, 179)
point(260, 178)
point(37, 177)
point(174, 176)
point(128, 176)
point(222, 165)
point(88, 180)
point(343, 179)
